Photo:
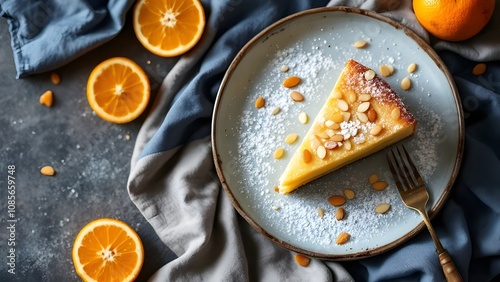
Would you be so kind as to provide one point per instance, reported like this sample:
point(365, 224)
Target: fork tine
point(395, 175)
point(413, 167)
point(403, 168)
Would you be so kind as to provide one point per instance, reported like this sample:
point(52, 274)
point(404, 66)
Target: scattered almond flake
point(55, 78)
point(127, 136)
point(47, 98)
point(291, 138)
point(360, 44)
point(349, 193)
point(321, 212)
point(303, 118)
point(373, 178)
point(382, 208)
point(406, 83)
point(302, 260)
point(479, 69)
point(278, 154)
point(275, 208)
point(412, 68)
point(47, 170)
point(276, 110)
point(291, 81)
point(369, 74)
point(343, 238)
point(260, 102)
point(284, 68)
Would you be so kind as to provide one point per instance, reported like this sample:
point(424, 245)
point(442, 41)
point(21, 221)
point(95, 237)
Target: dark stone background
point(91, 158)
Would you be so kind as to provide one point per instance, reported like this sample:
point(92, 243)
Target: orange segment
point(108, 250)
point(168, 28)
point(118, 90)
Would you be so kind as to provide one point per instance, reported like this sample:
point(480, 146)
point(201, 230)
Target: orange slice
point(118, 90)
point(168, 28)
point(108, 250)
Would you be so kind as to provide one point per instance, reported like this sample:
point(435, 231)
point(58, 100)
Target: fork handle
point(450, 270)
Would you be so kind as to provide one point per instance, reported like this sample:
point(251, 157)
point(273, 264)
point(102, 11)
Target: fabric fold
point(48, 34)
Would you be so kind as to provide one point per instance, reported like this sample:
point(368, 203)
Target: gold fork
point(414, 195)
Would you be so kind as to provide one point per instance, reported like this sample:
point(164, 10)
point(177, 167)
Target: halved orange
point(118, 90)
point(108, 250)
point(168, 28)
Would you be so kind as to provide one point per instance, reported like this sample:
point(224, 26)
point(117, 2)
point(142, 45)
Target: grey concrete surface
point(91, 158)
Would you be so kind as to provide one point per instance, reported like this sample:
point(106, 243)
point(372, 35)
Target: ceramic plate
point(314, 45)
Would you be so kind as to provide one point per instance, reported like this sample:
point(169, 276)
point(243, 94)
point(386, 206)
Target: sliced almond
point(373, 178)
point(343, 106)
point(347, 145)
point(382, 208)
point(291, 138)
point(276, 111)
point(338, 117)
point(362, 117)
point(369, 74)
point(278, 153)
point(479, 69)
point(260, 102)
point(343, 238)
point(384, 71)
point(47, 98)
point(360, 44)
point(376, 130)
point(365, 97)
point(379, 185)
point(55, 78)
point(321, 212)
point(337, 138)
point(349, 194)
point(406, 83)
point(47, 170)
point(352, 96)
point(306, 156)
point(329, 123)
point(372, 115)
point(291, 81)
point(340, 214)
point(315, 142)
point(321, 152)
point(296, 96)
point(363, 107)
point(337, 200)
point(302, 260)
point(390, 68)
point(303, 118)
point(412, 68)
point(347, 116)
point(337, 95)
point(395, 113)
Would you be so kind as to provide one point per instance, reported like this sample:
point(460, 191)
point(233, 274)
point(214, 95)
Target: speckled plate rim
point(268, 32)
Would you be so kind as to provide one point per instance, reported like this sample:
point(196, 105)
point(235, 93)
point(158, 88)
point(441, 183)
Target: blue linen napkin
point(48, 34)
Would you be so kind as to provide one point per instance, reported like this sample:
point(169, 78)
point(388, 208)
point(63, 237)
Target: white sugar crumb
point(261, 131)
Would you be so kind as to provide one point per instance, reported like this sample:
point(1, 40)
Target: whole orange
point(453, 20)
